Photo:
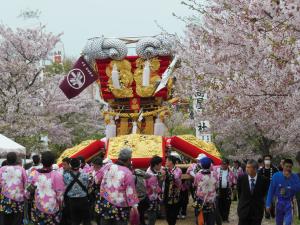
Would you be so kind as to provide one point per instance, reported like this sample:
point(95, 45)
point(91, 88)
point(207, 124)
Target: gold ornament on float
point(207, 146)
point(71, 151)
point(126, 78)
point(146, 91)
point(142, 146)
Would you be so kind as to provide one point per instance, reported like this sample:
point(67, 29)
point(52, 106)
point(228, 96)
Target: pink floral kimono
point(48, 196)
point(12, 184)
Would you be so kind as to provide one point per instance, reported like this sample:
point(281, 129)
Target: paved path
point(190, 220)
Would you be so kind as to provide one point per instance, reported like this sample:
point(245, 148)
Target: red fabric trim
point(139, 163)
point(90, 150)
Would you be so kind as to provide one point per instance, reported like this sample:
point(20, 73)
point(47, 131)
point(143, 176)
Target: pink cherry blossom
point(245, 56)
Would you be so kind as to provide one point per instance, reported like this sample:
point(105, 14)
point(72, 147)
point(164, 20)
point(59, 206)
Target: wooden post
point(123, 126)
point(149, 128)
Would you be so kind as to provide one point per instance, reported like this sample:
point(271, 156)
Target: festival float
point(139, 92)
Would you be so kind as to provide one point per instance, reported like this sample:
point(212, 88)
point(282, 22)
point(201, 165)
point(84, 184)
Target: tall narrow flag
point(79, 78)
point(166, 75)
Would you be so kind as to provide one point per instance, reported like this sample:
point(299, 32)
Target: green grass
point(296, 221)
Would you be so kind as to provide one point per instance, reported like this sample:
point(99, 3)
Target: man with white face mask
point(268, 170)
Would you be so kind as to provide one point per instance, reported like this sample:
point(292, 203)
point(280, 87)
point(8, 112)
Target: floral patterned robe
point(238, 172)
point(48, 196)
point(206, 185)
point(12, 183)
point(193, 169)
point(153, 185)
point(117, 185)
point(86, 169)
point(154, 188)
point(117, 191)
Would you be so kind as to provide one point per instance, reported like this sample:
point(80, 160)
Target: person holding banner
point(206, 183)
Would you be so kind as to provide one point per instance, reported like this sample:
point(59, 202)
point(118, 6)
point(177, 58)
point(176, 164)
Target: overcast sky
point(80, 20)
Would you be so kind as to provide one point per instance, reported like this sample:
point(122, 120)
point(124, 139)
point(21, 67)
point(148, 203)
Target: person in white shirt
point(227, 182)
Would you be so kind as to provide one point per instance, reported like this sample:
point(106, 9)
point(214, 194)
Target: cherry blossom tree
point(64, 118)
point(178, 122)
point(31, 104)
point(245, 55)
point(22, 55)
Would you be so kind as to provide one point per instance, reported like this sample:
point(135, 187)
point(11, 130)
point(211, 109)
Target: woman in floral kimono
point(172, 189)
point(154, 188)
point(117, 190)
point(206, 183)
point(84, 167)
point(12, 184)
point(48, 189)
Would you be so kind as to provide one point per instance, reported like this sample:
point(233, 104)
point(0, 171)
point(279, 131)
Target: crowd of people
point(113, 193)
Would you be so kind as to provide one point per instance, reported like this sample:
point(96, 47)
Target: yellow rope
point(135, 115)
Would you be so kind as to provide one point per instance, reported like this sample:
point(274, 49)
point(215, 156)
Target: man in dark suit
point(252, 189)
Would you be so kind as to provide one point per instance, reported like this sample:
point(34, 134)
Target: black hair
point(225, 161)
point(98, 161)
point(36, 159)
point(27, 166)
point(4, 163)
point(155, 161)
point(238, 162)
point(288, 161)
point(81, 159)
point(11, 158)
point(48, 159)
point(268, 155)
point(101, 155)
point(173, 159)
point(75, 163)
point(66, 160)
point(260, 160)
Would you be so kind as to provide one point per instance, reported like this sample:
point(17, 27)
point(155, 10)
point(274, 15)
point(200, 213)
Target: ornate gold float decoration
point(209, 147)
point(143, 146)
point(126, 78)
point(71, 151)
point(154, 77)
